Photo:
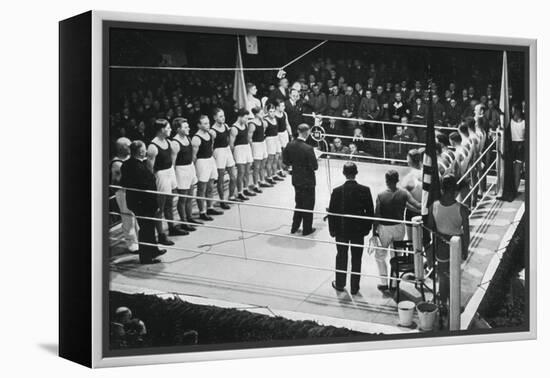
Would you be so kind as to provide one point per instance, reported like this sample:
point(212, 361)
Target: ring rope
point(324, 213)
point(313, 267)
point(374, 139)
point(247, 231)
point(476, 162)
point(352, 156)
point(376, 121)
point(478, 182)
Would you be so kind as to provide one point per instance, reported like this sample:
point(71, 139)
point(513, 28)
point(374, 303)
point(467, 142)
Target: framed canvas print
point(230, 188)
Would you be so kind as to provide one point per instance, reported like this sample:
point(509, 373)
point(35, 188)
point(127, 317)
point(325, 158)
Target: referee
point(301, 157)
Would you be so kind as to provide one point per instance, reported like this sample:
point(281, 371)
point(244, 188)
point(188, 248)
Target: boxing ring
point(248, 259)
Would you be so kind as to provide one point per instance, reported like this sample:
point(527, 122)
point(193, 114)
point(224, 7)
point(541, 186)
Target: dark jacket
point(301, 157)
point(135, 174)
point(354, 199)
point(294, 113)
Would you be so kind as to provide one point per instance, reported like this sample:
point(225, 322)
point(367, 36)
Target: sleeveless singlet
point(448, 219)
point(281, 123)
point(222, 138)
point(164, 157)
point(242, 136)
point(259, 131)
point(185, 154)
point(271, 129)
point(205, 148)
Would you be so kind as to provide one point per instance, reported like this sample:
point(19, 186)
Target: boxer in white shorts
point(205, 167)
point(185, 172)
point(256, 128)
point(390, 204)
point(223, 156)
point(160, 159)
point(239, 142)
point(273, 145)
point(283, 132)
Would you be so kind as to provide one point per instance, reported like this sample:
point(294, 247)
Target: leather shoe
point(159, 252)
point(248, 193)
point(337, 288)
point(306, 233)
point(177, 232)
point(164, 240)
point(258, 190)
point(266, 185)
point(194, 221)
point(225, 206)
point(213, 212)
point(205, 217)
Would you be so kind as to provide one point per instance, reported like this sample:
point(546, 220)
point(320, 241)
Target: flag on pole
point(507, 187)
point(251, 42)
point(239, 86)
point(430, 174)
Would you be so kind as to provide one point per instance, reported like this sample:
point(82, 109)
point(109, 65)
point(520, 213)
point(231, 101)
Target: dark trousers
point(342, 261)
point(146, 234)
point(305, 199)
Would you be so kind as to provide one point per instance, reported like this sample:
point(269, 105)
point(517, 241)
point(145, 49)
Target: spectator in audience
point(338, 147)
point(419, 112)
point(281, 93)
point(453, 114)
point(397, 108)
point(317, 100)
point(335, 102)
point(369, 109)
point(332, 126)
point(350, 103)
point(358, 140)
point(438, 110)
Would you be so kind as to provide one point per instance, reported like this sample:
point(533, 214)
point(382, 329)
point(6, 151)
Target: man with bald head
point(129, 224)
point(351, 198)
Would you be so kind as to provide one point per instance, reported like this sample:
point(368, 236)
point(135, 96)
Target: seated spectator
point(453, 114)
point(317, 100)
point(358, 139)
point(492, 114)
point(439, 110)
point(369, 109)
point(419, 112)
point(338, 147)
point(335, 102)
point(332, 126)
point(397, 108)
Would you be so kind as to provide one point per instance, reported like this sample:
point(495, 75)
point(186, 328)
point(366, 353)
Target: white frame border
point(97, 189)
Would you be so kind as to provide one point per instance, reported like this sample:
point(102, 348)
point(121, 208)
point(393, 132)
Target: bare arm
point(175, 150)
point(251, 129)
point(414, 204)
point(152, 153)
point(195, 142)
point(116, 173)
point(232, 136)
point(288, 128)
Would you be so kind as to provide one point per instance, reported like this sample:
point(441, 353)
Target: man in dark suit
point(301, 157)
point(135, 174)
point(353, 199)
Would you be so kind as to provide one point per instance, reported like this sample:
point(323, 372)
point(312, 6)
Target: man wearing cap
point(301, 157)
point(350, 198)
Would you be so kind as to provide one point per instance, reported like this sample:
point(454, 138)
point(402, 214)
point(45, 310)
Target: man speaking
point(301, 157)
point(353, 199)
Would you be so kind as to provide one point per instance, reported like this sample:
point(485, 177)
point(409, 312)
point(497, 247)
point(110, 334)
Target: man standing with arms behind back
point(301, 157)
point(353, 199)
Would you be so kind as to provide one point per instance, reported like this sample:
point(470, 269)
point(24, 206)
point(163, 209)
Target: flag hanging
point(430, 174)
point(251, 42)
point(507, 187)
point(239, 86)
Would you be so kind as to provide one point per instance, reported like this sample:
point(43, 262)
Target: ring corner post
point(417, 238)
point(454, 278)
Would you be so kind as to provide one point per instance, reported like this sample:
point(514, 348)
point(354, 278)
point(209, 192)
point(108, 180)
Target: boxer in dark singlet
point(223, 157)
